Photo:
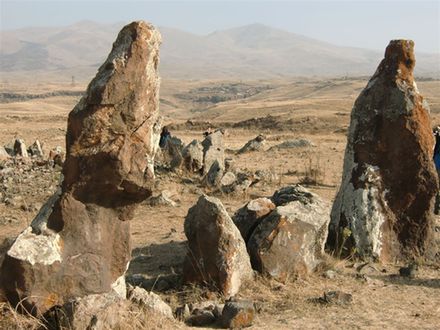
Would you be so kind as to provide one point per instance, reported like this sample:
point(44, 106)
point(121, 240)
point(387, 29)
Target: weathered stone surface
point(256, 144)
point(57, 155)
point(35, 149)
point(295, 143)
point(193, 156)
point(79, 243)
point(215, 174)
point(249, 216)
point(290, 240)
point(337, 298)
point(172, 153)
point(164, 198)
point(97, 311)
point(216, 251)
point(3, 153)
point(213, 150)
point(384, 207)
point(151, 301)
point(228, 179)
point(20, 148)
point(111, 311)
point(238, 314)
point(289, 194)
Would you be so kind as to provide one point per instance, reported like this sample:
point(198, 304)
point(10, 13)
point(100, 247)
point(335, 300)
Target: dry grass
point(386, 302)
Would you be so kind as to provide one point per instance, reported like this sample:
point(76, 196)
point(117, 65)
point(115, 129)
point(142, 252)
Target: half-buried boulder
point(79, 243)
point(289, 242)
point(216, 251)
point(384, 207)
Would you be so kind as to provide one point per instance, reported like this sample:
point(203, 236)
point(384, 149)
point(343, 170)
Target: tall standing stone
point(79, 243)
point(384, 207)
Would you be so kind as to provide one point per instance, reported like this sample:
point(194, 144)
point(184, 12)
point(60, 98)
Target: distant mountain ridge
point(253, 51)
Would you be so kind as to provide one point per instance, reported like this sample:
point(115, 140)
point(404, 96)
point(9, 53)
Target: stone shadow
point(418, 281)
point(157, 267)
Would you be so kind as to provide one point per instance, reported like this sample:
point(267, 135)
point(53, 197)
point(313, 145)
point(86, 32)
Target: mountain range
point(253, 51)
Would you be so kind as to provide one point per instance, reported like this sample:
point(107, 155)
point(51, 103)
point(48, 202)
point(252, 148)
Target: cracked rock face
point(384, 207)
point(289, 241)
point(79, 243)
point(216, 251)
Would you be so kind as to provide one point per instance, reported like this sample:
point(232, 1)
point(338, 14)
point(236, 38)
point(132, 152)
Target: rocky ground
point(304, 128)
point(380, 297)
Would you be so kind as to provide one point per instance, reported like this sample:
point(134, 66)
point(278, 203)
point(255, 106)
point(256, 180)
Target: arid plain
point(314, 109)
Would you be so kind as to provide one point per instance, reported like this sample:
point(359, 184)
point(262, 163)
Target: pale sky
point(365, 24)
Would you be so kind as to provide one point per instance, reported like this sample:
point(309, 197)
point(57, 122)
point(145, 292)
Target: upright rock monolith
point(384, 207)
point(79, 243)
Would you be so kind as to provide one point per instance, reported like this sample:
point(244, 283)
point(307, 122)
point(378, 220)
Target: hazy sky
point(366, 24)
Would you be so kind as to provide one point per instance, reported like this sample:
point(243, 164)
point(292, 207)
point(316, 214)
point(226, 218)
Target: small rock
point(337, 297)
point(367, 269)
point(238, 314)
point(228, 179)
point(164, 198)
point(410, 271)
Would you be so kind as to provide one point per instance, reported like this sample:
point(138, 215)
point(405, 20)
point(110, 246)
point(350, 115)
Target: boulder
point(151, 301)
point(216, 251)
point(383, 210)
point(79, 243)
point(35, 149)
point(249, 216)
point(213, 150)
point(256, 144)
point(238, 314)
point(20, 148)
point(193, 156)
point(289, 242)
point(295, 143)
point(110, 311)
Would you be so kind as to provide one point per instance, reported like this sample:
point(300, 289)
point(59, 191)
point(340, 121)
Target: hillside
point(250, 52)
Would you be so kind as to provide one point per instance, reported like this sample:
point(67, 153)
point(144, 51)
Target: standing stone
point(216, 251)
point(172, 153)
point(215, 174)
point(20, 148)
point(193, 156)
point(384, 207)
point(35, 149)
point(213, 150)
point(3, 153)
point(289, 242)
point(79, 243)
